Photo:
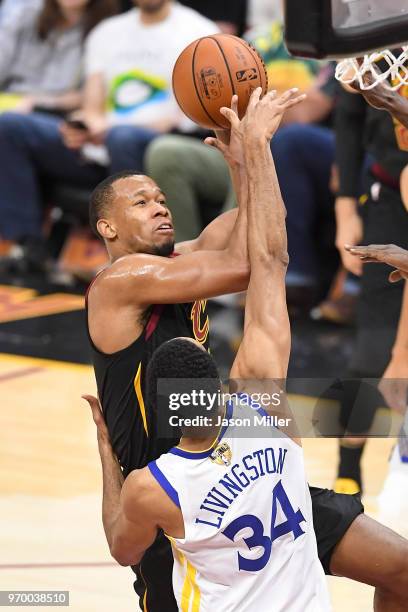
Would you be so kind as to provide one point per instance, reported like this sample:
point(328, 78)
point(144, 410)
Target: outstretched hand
point(99, 420)
point(229, 142)
point(261, 120)
point(263, 116)
point(384, 253)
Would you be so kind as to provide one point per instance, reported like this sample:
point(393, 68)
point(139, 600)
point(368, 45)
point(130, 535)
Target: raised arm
point(217, 234)
point(264, 350)
point(147, 279)
point(199, 274)
point(214, 237)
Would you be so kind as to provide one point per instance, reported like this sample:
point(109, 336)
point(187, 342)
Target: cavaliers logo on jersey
point(222, 454)
point(200, 320)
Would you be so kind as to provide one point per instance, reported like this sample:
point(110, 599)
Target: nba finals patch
point(222, 454)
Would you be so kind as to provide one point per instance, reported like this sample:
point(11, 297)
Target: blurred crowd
point(85, 91)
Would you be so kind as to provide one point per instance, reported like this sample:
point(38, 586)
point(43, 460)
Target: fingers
point(234, 104)
point(73, 139)
point(92, 401)
point(294, 101)
point(369, 249)
point(216, 144)
point(290, 97)
point(95, 408)
point(255, 97)
point(374, 252)
point(394, 393)
point(287, 95)
point(395, 276)
point(231, 115)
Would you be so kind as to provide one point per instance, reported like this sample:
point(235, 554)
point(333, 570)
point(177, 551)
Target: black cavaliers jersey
point(120, 379)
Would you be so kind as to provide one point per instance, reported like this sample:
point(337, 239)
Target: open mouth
point(165, 228)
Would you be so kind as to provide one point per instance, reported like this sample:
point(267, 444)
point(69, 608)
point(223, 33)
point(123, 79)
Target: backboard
point(344, 28)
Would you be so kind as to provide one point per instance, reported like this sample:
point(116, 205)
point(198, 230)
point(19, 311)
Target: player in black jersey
point(152, 292)
point(146, 296)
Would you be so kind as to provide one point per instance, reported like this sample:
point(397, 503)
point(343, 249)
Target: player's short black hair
point(181, 359)
point(102, 197)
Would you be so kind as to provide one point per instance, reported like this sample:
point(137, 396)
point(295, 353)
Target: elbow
point(242, 274)
point(124, 556)
point(245, 272)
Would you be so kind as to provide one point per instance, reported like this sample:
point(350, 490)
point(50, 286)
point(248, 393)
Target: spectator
point(10, 7)
point(382, 218)
point(264, 11)
point(40, 52)
point(127, 102)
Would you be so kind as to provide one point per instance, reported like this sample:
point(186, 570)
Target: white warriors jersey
point(249, 542)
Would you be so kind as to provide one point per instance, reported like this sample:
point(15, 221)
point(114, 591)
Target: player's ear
point(106, 229)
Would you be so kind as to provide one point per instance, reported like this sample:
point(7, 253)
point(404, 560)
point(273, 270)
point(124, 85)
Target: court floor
point(50, 491)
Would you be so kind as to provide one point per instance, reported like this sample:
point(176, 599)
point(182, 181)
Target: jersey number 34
point(258, 538)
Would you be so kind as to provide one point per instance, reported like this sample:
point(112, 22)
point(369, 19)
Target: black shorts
point(333, 514)
point(154, 578)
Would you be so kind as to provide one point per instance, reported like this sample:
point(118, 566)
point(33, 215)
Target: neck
point(200, 444)
point(116, 251)
point(71, 17)
point(205, 434)
point(156, 17)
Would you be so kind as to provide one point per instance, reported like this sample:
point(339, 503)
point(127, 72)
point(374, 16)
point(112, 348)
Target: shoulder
point(193, 21)
point(136, 269)
point(138, 489)
point(20, 17)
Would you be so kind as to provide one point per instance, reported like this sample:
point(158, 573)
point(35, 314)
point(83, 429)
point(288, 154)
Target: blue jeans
point(303, 156)
point(31, 148)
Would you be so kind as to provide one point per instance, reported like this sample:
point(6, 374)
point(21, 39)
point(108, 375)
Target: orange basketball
point(210, 71)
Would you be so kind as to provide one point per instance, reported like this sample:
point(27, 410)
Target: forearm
point(399, 109)
point(238, 237)
point(401, 341)
point(69, 100)
point(344, 208)
point(112, 485)
point(266, 211)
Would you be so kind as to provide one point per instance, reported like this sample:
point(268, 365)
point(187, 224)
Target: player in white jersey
point(236, 506)
point(248, 542)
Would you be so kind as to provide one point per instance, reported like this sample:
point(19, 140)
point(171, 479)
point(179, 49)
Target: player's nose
point(160, 210)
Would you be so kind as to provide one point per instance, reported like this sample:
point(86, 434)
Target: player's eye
point(140, 202)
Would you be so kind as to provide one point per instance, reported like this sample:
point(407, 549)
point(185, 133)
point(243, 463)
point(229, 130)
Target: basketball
point(210, 71)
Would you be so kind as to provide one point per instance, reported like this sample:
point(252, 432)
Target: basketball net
point(393, 77)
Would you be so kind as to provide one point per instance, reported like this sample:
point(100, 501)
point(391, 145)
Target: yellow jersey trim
point(139, 395)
